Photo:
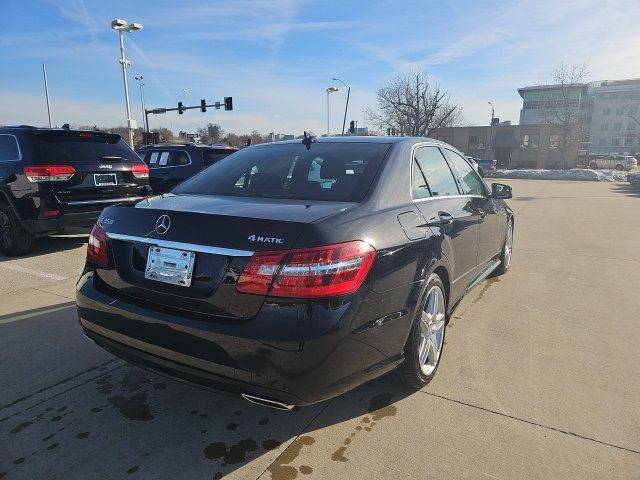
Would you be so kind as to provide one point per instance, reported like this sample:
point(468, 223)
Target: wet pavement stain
point(380, 406)
point(216, 476)
point(48, 437)
point(18, 461)
point(231, 455)
point(484, 289)
point(57, 418)
point(134, 407)
point(263, 421)
point(62, 409)
point(159, 386)
point(238, 412)
point(133, 380)
point(204, 415)
point(104, 386)
point(21, 427)
point(271, 444)
point(306, 470)
point(338, 455)
point(96, 409)
point(133, 469)
point(281, 469)
point(82, 435)
point(231, 426)
point(53, 446)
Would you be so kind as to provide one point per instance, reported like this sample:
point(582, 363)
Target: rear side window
point(8, 148)
point(325, 171)
point(435, 172)
point(167, 158)
point(214, 156)
point(470, 182)
point(69, 147)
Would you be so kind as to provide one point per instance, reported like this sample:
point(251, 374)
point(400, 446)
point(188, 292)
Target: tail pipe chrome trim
point(266, 402)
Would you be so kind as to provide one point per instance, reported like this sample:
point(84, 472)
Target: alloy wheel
point(508, 245)
point(432, 325)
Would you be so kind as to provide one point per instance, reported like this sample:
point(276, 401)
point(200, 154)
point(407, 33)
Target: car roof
point(185, 145)
point(363, 139)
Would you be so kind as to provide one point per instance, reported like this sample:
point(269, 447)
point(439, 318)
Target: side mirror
point(501, 191)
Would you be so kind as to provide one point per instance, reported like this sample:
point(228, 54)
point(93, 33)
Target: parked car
point(53, 179)
point(619, 162)
point(256, 278)
point(172, 163)
point(484, 165)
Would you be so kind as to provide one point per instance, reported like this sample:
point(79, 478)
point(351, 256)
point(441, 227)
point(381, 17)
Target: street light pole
point(145, 125)
point(46, 91)
point(329, 91)
point(346, 107)
point(121, 26)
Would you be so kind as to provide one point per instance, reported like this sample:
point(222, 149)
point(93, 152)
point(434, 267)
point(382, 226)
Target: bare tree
point(411, 105)
point(561, 105)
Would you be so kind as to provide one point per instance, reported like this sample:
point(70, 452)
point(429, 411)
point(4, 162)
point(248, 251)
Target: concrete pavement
point(540, 376)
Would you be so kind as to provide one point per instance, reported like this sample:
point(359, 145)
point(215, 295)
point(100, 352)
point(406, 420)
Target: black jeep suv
point(172, 163)
point(52, 179)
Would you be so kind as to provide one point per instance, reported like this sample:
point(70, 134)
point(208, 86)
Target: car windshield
point(63, 147)
point(325, 171)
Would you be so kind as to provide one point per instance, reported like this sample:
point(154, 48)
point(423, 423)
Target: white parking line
point(18, 268)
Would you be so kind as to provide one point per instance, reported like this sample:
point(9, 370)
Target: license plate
point(105, 179)
point(169, 265)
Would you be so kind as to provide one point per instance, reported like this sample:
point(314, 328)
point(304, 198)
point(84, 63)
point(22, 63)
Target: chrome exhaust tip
point(266, 402)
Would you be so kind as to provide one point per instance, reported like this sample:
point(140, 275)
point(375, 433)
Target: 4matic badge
point(256, 238)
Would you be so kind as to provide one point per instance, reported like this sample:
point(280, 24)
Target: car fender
point(7, 198)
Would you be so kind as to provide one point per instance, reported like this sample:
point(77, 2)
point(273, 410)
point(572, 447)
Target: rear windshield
point(326, 171)
point(213, 156)
point(69, 147)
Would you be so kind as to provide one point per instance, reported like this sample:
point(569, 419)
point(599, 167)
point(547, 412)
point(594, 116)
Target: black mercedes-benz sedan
point(294, 271)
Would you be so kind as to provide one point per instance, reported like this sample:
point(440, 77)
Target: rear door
point(102, 163)
point(490, 218)
point(168, 168)
point(449, 212)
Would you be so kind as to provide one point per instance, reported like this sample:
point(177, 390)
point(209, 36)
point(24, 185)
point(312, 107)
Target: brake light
point(140, 170)
point(97, 247)
point(49, 173)
point(316, 272)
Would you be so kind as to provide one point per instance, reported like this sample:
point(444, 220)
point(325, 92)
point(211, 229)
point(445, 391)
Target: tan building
point(513, 146)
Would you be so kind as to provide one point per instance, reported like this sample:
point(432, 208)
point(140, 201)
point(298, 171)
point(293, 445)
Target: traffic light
point(180, 108)
point(203, 105)
point(389, 131)
point(352, 127)
point(228, 103)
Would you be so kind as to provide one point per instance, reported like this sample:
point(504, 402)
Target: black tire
point(619, 167)
point(504, 262)
point(593, 165)
point(410, 372)
point(14, 239)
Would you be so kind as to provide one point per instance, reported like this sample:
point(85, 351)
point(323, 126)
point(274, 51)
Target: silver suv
point(619, 162)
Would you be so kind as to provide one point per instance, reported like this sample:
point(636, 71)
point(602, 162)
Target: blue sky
point(277, 57)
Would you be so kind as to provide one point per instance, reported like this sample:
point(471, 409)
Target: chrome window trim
point(169, 166)
point(413, 151)
point(17, 145)
point(103, 200)
point(192, 247)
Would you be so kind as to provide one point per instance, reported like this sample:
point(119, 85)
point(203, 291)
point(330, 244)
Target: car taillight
point(316, 272)
point(140, 170)
point(97, 247)
point(49, 173)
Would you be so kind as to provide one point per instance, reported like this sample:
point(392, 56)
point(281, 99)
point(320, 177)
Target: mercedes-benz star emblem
point(163, 224)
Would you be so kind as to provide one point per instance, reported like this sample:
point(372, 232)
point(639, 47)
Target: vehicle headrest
point(332, 168)
point(265, 181)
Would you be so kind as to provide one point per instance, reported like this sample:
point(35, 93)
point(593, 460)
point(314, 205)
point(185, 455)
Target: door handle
point(443, 219)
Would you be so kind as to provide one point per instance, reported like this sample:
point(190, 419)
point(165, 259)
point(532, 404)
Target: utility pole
point(346, 107)
point(46, 91)
point(490, 131)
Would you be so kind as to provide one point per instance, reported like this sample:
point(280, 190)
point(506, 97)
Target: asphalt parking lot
point(540, 376)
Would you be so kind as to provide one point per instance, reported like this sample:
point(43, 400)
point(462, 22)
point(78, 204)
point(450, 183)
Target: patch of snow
point(580, 174)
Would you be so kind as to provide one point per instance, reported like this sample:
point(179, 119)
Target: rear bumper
point(295, 354)
point(64, 221)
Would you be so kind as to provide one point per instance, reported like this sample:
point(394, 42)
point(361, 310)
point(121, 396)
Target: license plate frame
point(105, 179)
point(170, 265)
